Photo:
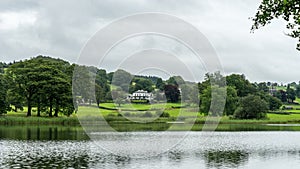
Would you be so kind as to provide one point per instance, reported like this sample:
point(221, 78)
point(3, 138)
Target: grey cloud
point(63, 27)
point(17, 5)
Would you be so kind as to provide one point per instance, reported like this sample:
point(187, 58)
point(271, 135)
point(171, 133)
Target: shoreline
point(8, 121)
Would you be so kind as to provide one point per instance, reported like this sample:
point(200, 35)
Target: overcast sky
point(61, 28)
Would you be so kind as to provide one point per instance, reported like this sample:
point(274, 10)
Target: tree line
point(53, 86)
point(244, 100)
point(41, 82)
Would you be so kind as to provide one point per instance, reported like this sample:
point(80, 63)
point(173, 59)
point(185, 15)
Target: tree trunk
point(39, 112)
point(56, 111)
point(29, 110)
point(39, 108)
point(29, 107)
point(56, 108)
point(50, 111)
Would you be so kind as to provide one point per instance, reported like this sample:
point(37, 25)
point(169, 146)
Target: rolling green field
point(141, 106)
point(138, 117)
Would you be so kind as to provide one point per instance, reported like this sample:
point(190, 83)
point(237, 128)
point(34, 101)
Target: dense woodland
point(44, 84)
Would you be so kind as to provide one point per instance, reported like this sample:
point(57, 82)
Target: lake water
point(65, 147)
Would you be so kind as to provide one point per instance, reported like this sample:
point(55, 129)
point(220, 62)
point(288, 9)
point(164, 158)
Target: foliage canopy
point(289, 10)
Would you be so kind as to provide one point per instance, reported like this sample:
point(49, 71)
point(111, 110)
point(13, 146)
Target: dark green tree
point(216, 78)
point(251, 107)
point(23, 76)
point(43, 82)
point(110, 76)
point(298, 90)
point(214, 86)
point(122, 79)
point(14, 95)
point(15, 100)
point(205, 100)
point(141, 84)
point(274, 103)
point(290, 94)
point(262, 87)
point(100, 94)
point(231, 101)
point(4, 106)
point(101, 86)
point(241, 84)
point(219, 94)
point(160, 84)
point(172, 81)
point(2, 67)
point(54, 85)
point(281, 95)
point(83, 83)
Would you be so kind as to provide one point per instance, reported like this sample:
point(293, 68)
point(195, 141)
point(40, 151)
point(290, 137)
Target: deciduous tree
point(172, 93)
point(3, 93)
point(289, 10)
point(251, 107)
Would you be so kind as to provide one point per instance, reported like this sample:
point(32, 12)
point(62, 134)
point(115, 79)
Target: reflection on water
point(221, 159)
point(175, 155)
point(42, 133)
point(199, 150)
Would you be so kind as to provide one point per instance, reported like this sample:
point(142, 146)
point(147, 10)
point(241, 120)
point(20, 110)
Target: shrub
point(251, 107)
point(274, 103)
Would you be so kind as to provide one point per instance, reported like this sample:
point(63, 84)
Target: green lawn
point(140, 106)
point(284, 118)
point(295, 107)
point(93, 111)
point(187, 115)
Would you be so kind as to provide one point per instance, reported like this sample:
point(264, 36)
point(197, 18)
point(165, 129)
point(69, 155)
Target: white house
point(140, 95)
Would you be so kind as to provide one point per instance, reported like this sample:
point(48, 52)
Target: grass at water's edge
point(23, 120)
